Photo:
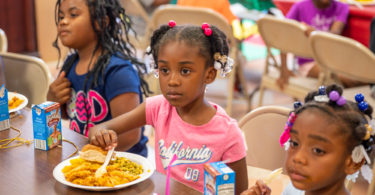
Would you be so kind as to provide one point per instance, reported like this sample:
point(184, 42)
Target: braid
point(111, 26)
point(193, 35)
point(155, 38)
point(349, 118)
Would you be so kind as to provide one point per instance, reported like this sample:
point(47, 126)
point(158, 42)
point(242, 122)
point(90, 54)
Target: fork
point(102, 169)
point(275, 173)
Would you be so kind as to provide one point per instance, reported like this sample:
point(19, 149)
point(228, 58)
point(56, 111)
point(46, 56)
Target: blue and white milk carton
point(219, 179)
point(4, 109)
point(47, 125)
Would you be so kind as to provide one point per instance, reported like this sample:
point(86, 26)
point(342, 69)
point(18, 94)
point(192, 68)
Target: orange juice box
point(4, 109)
point(219, 179)
point(47, 125)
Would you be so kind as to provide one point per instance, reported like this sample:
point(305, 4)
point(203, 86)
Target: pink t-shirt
point(220, 139)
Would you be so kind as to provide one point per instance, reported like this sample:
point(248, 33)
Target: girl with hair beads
point(100, 74)
point(327, 139)
point(187, 58)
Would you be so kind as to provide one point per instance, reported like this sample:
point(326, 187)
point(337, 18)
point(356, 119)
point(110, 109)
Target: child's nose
point(174, 80)
point(299, 157)
point(63, 21)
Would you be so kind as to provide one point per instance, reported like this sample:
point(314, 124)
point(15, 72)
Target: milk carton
point(219, 179)
point(4, 109)
point(47, 125)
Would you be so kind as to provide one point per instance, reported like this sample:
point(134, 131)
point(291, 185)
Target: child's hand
point(309, 29)
point(59, 90)
point(258, 189)
point(104, 138)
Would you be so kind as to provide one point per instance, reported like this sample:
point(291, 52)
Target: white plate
point(148, 170)
point(20, 96)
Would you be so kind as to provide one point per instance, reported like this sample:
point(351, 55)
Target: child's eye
point(318, 151)
point(60, 17)
point(293, 144)
point(73, 15)
point(185, 71)
point(163, 70)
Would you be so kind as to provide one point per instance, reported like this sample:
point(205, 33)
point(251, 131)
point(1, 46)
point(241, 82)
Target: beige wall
point(46, 30)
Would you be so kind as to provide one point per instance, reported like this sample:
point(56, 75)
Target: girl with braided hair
point(187, 58)
point(328, 139)
point(100, 79)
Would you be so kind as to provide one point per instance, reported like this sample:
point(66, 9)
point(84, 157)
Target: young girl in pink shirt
point(329, 139)
point(187, 58)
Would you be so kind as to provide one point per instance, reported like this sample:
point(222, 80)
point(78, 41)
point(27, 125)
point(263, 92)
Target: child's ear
point(210, 75)
point(351, 166)
point(105, 23)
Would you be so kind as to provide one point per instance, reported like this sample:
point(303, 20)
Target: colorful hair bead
point(341, 101)
point(334, 95)
point(368, 132)
point(359, 97)
point(362, 106)
point(208, 32)
point(171, 23)
point(322, 90)
point(297, 104)
point(205, 25)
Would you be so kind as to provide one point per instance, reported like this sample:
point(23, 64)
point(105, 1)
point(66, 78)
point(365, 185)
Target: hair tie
point(322, 97)
point(285, 136)
point(171, 23)
point(333, 96)
point(206, 29)
point(222, 62)
point(297, 104)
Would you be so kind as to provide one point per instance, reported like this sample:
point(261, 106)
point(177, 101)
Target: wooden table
point(358, 24)
point(27, 171)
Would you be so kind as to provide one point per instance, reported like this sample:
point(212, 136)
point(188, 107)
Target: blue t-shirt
point(119, 77)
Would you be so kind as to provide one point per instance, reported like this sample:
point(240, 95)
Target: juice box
point(4, 109)
point(219, 179)
point(47, 125)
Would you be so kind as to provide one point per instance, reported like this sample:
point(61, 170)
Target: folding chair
point(347, 57)
point(288, 36)
point(135, 8)
point(197, 16)
point(262, 128)
point(371, 188)
point(26, 75)
point(3, 41)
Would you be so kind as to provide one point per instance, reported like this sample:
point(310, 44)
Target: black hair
point(349, 118)
point(194, 35)
point(111, 26)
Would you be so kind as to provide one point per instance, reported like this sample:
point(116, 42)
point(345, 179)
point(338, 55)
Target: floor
point(252, 71)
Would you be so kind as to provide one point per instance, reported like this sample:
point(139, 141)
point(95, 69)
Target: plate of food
point(125, 169)
point(16, 101)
